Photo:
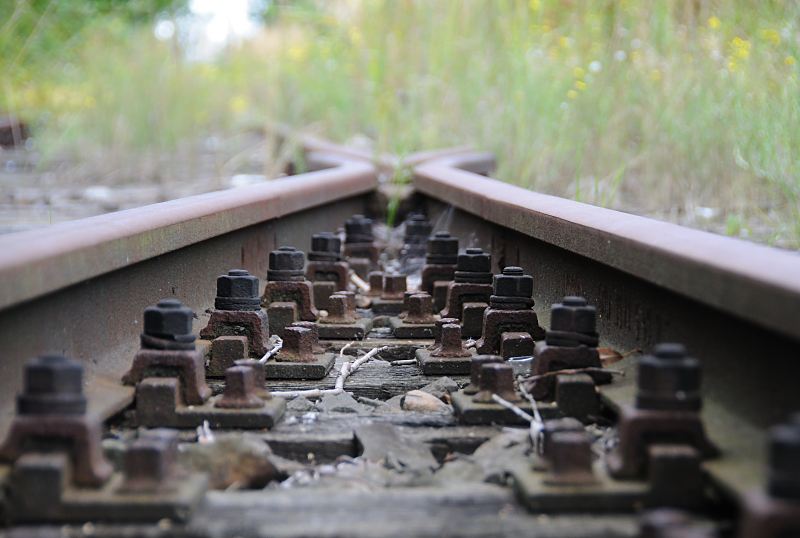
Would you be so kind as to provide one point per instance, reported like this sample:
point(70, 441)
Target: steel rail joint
point(319, 152)
point(757, 283)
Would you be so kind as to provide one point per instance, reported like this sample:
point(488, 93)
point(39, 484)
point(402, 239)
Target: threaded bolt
point(297, 345)
point(240, 389)
point(437, 330)
point(314, 328)
point(394, 286)
point(570, 458)
point(496, 378)
point(420, 309)
point(339, 310)
point(375, 283)
point(259, 375)
point(476, 369)
point(150, 460)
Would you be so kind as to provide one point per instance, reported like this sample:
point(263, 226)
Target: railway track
point(375, 464)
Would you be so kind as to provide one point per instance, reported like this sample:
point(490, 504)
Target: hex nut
point(169, 319)
point(238, 290)
point(287, 259)
point(474, 260)
point(669, 380)
point(513, 282)
point(53, 384)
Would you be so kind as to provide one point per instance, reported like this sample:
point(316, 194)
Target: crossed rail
point(74, 286)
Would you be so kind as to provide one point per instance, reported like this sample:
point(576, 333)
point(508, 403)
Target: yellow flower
point(789, 60)
point(238, 104)
point(636, 56)
point(355, 36)
point(714, 22)
point(771, 36)
point(563, 42)
point(732, 66)
point(572, 94)
point(579, 72)
point(655, 75)
point(740, 48)
point(580, 85)
point(298, 53)
point(535, 5)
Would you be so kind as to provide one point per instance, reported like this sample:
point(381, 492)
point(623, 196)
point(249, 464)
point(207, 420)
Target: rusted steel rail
point(734, 304)
point(79, 288)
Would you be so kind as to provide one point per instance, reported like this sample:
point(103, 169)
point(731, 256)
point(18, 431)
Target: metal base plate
point(443, 365)
point(386, 307)
point(218, 417)
point(401, 329)
point(44, 474)
point(348, 331)
point(300, 370)
point(470, 412)
point(157, 407)
point(605, 495)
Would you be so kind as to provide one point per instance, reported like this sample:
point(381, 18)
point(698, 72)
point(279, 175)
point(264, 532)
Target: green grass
point(694, 105)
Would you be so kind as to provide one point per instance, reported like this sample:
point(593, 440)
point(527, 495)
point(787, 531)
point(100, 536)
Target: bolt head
point(418, 228)
point(420, 304)
point(513, 282)
point(53, 384)
point(669, 379)
point(169, 318)
point(570, 453)
point(496, 378)
point(573, 314)
point(394, 284)
point(150, 460)
point(451, 336)
point(287, 259)
point(240, 387)
point(474, 260)
point(298, 340)
point(475, 370)
point(53, 373)
point(327, 243)
point(437, 328)
point(238, 283)
point(358, 229)
point(442, 249)
point(338, 307)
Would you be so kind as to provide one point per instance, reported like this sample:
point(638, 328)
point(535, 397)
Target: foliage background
point(683, 110)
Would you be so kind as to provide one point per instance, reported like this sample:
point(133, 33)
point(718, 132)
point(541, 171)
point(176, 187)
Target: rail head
point(37, 262)
point(758, 283)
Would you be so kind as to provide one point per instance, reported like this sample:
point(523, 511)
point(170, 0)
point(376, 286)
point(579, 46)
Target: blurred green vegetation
point(683, 110)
